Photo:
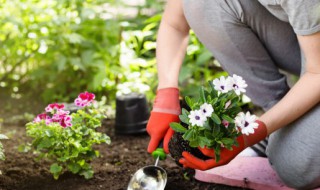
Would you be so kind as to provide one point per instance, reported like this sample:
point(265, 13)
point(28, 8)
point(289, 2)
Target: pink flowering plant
point(67, 139)
point(215, 119)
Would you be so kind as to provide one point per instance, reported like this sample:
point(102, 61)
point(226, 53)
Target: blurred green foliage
point(57, 48)
point(52, 50)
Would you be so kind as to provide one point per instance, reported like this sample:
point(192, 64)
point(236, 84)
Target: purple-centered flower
point(66, 121)
point(197, 118)
point(54, 106)
point(222, 84)
point(246, 123)
point(44, 117)
point(84, 99)
point(206, 109)
point(238, 84)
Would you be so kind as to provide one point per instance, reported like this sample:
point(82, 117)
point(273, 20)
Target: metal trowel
point(150, 177)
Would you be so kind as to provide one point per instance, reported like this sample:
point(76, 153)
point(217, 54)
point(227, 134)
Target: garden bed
point(113, 170)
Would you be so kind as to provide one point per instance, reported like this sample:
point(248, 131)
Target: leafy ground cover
point(113, 170)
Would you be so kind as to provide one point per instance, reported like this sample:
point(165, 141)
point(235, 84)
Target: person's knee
point(297, 175)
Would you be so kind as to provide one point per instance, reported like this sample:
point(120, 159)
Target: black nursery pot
point(132, 114)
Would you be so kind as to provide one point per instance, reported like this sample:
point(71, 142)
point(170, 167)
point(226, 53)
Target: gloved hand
point(190, 161)
point(166, 109)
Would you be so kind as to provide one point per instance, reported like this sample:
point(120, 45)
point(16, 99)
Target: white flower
point(246, 122)
point(196, 118)
point(132, 87)
point(206, 109)
point(222, 84)
point(238, 84)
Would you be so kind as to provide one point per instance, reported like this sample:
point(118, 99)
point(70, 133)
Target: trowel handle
point(159, 152)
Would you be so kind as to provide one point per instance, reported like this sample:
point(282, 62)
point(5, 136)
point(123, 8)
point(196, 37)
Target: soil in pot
point(177, 145)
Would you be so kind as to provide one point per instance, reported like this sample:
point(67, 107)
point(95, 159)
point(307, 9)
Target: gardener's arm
point(172, 42)
point(304, 94)
point(302, 97)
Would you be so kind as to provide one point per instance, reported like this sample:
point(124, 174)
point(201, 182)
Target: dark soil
point(113, 170)
point(177, 145)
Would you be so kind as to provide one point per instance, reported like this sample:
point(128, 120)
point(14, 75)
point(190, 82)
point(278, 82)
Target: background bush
point(52, 50)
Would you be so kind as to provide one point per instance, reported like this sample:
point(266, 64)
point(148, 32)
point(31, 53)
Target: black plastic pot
point(132, 114)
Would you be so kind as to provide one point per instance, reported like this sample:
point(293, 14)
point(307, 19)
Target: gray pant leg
point(249, 41)
point(294, 152)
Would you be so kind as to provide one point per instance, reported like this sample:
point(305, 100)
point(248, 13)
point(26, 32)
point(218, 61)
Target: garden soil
point(113, 170)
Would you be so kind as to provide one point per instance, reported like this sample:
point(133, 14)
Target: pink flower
point(227, 104)
point(44, 117)
point(84, 99)
point(225, 123)
point(60, 115)
point(54, 106)
point(66, 121)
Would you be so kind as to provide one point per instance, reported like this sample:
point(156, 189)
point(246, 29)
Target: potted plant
point(214, 120)
point(66, 139)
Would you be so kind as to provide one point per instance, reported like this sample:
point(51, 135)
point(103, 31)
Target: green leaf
point(189, 102)
point(184, 119)
point(203, 141)
point(105, 138)
point(214, 92)
point(49, 133)
point(74, 38)
point(204, 57)
point(188, 135)
point(87, 174)
point(74, 167)
point(44, 143)
point(227, 118)
point(185, 73)
point(227, 141)
point(194, 143)
point(81, 162)
point(2, 156)
point(202, 95)
point(155, 18)
point(215, 118)
point(217, 152)
point(24, 148)
point(150, 26)
point(216, 131)
point(55, 168)
point(178, 127)
point(61, 62)
point(76, 62)
point(87, 57)
point(206, 126)
point(185, 112)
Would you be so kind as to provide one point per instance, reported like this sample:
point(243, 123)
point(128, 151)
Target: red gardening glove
point(190, 161)
point(166, 109)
